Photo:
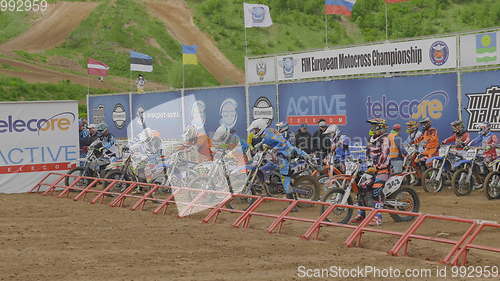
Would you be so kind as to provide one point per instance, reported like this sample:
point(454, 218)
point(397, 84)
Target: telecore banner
point(428, 54)
point(37, 138)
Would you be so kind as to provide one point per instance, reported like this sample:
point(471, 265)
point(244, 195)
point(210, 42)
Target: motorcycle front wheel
point(431, 181)
point(492, 186)
point(459, 182)
point(404, 199)
point(340, 215)
point(80, 172)
point(117, 175)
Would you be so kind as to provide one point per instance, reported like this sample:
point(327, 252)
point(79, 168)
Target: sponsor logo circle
point(263, 109)
point(439, 53)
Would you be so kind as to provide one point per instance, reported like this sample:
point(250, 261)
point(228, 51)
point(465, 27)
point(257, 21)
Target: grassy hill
point(300, 24)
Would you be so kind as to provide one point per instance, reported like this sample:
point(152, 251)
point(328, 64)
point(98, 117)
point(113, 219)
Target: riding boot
point(290, 196)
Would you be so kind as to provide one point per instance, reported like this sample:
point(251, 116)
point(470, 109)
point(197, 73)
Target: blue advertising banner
point(162, 112)
point(481, 99)
point(350, 103)
point(208, 108)
point(263, 102)
point(112, 110)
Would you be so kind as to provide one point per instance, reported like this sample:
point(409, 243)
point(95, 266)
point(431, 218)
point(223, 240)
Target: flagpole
point(88, 84)
point(246, 43)
point(183, 76)
point(326, 30)
point(386, 24)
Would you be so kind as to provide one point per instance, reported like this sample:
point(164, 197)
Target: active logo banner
point(37, 137)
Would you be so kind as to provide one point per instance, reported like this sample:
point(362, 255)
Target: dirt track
point(179, 20)
point(46, 238)
point(52, 28)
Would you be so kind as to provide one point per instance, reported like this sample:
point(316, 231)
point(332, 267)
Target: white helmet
point(222, 134)
point(258, 124)
point(332, 130)
point(282, 127)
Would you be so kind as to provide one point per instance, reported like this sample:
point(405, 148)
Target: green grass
point(13, 24)
point(16, 89)
point(300, 25)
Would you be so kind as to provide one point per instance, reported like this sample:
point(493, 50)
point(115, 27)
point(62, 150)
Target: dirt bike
point(264, 179)
point(491, 183)
point(409, 165)
point(469, 173)
point(94, 164)
point(440, 170)
point(396, 197)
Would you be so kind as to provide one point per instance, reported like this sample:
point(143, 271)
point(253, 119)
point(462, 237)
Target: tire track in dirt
point(179, 21)
point(52, 28)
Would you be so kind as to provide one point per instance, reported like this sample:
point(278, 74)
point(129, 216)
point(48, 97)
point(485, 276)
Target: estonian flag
point(140, 62)
point(189, 54)
point(339, 7)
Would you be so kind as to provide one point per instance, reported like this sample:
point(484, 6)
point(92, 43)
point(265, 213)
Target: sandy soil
point(179, 21)
point(46, 238)
point(52, 28)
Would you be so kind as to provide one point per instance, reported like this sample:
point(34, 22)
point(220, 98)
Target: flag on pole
point(257, 15)
point(394, 1)
point(140, 62)
point(189, 54)
point(339, 7)
point(98, 68)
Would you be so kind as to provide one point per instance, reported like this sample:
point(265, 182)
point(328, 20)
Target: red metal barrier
point(456, 256)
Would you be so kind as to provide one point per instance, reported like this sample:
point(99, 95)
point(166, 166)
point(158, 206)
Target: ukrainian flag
point(189, 54)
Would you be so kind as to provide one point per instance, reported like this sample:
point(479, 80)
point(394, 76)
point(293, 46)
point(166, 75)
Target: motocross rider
point(487, 140)
point(460, 137)
point(377, 150)
point(285, 132)
point(108, 140)
point(226, 139)
point(413, 132)
point(429, 140)
point(340, 145)
point(201, 141)
point(272, 138)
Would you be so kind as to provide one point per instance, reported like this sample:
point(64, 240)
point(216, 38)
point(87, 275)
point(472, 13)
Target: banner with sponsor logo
point(206, 109)
point(263, 103)
point(480, 49)
point(112, 110)
point(260, 70)
point(37, 137)
point(162, 112)
point(481, 99)
point(350, 103)
point(428, 54)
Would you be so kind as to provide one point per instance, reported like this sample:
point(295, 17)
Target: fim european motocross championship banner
point(428, 54)
point(350, 103)
point(37, 138)
point(481, 99)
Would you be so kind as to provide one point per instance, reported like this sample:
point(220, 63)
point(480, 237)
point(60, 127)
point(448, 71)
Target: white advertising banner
point(480, 49)
point(260, 70)
point(428, 54)
point(37, 138)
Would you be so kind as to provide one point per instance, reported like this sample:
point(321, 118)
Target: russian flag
point(339, 7)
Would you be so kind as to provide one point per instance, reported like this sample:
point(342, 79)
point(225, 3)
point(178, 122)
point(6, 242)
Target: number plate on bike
point(470, 155)
point(392, 184)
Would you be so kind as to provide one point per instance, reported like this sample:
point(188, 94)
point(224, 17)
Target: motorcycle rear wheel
point(79, 171)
